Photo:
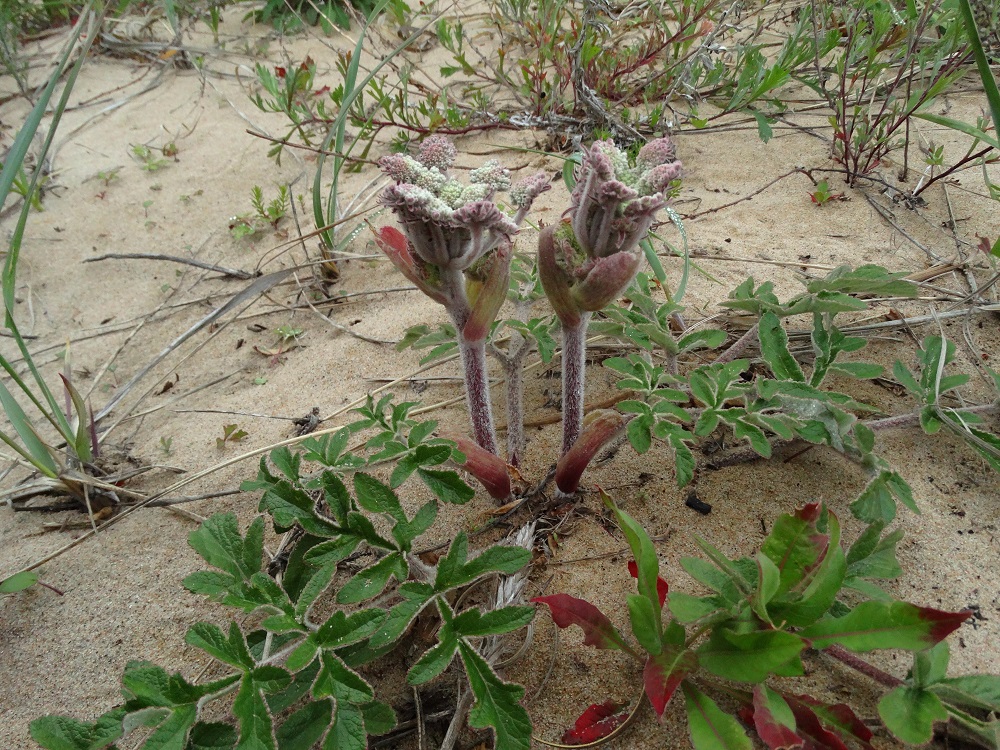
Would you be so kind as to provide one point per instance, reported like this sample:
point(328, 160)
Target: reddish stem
point(860, 665)
point(574, 364)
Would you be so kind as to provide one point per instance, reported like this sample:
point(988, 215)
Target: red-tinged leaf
point(663, 674)
point(596, 723)
point(774, 720)
point(809, 725)
point(847, 723)
point(600, 426)
point(828, 725)
point(662, 587)
point(796, 547)
point(597, 628)
point(711, 728)
point(876, 625)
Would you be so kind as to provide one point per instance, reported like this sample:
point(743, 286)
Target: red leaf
point(838, 717)
point(776, 735)
point(595, 723)
point(663, 674)
point(280, 71)
point(943, 623)
point(809, 513)
point(597, 628)
point(662, 587)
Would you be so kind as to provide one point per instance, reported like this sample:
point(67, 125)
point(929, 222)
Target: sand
point(122, 597)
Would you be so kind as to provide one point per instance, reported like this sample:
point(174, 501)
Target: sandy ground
point(122, 595)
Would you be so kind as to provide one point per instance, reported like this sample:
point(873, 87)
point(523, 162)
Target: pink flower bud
point(490, 470)
point(394, 244)
point(490, 278)
point(605, 281)
point(654, 153)
point(599, 427)
point(556, 281)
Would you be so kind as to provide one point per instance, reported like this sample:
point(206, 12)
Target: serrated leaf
point(231, 650)
point(305, 727)
point(436, 659)
point(474, 623)
point(379, 717)
point(371, 581)
point(348, 730)
point(910, 713)
point(212, 736)
point(774, 349)
point(415, 597)
point(879, 625)
point(256, 725)
point(496, 704)
point(454, 570)
point(342, 629)
point(64, 733)
point(218, 540)
point(447, 486)
point(336, 679)
point(711, 728)
point(376, 497)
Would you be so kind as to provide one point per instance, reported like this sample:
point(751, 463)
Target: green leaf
point(18, 582)
point(415, 596)
point(750, 657)
point(981, 691)
point(371, 581)
point(436, 659)
point(255, 720)
point(218, 540)
point(644, 554)
point(447, 486)
point(475, 624)
point(878, 625)
point(930, 666)
point(338, 680)
point(212, 736)
point(774, 349)
point(64, 733)
point(645, 619)
point(348, 730)
point(376, 497)
point(711, 728)
point(379, 717)
point(910, 713)
point(453, 570)
point(211, 639)
point(496, 704)
point(305, 727)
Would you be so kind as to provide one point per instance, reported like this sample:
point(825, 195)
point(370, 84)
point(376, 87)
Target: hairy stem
point(860, 665)
point(574, 356)
point(913, 418)
point(477, 393)
point(515, 406)
point(739, 347)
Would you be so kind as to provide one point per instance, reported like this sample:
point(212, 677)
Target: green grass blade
point(962, 127)
point(14, 162)
point(34, 448)
point(352, 89)
point(989, 82)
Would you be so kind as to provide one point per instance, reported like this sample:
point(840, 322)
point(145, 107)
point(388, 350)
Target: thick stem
point(739, 347)
point(477, 392)
point(574, 364)
point(515, 406)
point(913, 418)
point(860, 665)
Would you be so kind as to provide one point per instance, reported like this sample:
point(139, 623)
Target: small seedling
point(109, 176)
point(167, 445)
point(231, 433)
point(823, 195)
point(273, 211)
point(149, 161)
